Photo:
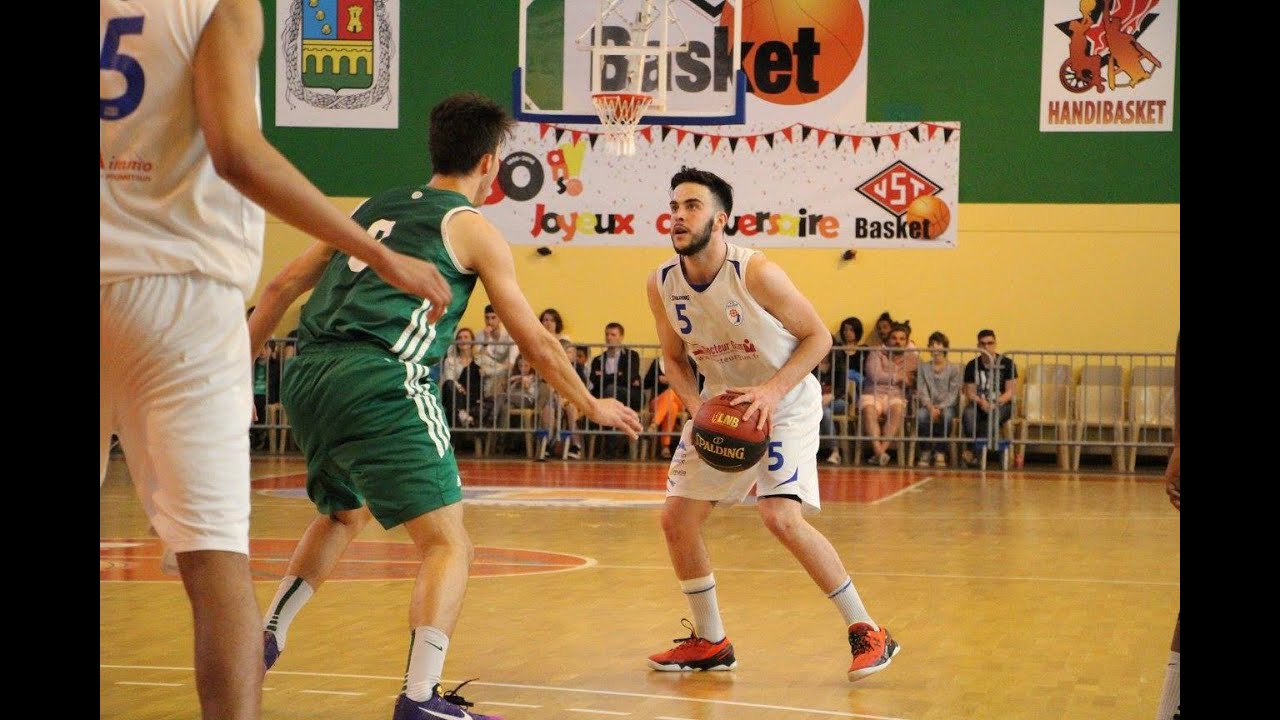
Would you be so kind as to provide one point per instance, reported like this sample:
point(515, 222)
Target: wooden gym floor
point(1014, 595)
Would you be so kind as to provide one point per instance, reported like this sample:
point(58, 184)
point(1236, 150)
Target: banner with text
point(861, 185)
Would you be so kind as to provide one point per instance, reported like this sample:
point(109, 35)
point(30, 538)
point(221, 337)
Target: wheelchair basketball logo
point(1103, 50)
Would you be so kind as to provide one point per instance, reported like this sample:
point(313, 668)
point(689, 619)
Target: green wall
point(976, 61)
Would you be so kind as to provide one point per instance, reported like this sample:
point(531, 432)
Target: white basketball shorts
point(789, 467)
point(175, 385)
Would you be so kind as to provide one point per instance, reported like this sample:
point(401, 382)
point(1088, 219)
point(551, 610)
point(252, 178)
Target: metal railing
point(1066, 405)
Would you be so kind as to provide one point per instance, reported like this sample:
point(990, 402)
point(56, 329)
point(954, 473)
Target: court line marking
point(332, 692)
point(596, 712)
point(939, 576)
point(508, 704)
point(155, 684)
point(548, 688)
point(910, 487)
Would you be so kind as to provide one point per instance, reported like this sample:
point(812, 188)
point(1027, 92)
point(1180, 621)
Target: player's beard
point(697, 240)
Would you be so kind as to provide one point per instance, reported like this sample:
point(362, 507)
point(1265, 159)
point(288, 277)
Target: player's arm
point(300, 275)
point(770, 286)
point(226, 91)
point(679, 375)
point(480, 247)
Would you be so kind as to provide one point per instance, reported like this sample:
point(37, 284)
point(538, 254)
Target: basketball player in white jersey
point(750, 330)
point(185, 176)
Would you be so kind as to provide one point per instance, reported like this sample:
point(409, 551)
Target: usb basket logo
point(338, 53)
point(911, 198)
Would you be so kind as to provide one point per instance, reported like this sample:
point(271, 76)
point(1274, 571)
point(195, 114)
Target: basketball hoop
point(620, 113)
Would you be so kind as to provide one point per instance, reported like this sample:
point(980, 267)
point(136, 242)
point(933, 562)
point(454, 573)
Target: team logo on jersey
point(734, 311)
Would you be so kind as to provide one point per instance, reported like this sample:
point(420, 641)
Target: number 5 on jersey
point(686, 325)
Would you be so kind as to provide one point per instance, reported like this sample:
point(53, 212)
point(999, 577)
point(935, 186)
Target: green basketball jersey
point(351, 303)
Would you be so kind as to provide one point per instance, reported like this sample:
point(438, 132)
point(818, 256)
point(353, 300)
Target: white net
point(620, 114)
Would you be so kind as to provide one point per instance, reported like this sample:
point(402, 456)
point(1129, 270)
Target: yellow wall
point(1045, 277)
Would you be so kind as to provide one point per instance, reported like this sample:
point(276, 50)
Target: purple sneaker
point(446, 705)
point(270, 650)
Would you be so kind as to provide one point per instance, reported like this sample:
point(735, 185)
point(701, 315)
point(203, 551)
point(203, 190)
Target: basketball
point(835, 28)
point(931, 208)
point(723, 439)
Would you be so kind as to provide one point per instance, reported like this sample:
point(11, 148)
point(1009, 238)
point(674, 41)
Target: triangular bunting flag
point(647, 132)
point(875, 142)
point(839, 139)
point(946, 134)
point(680, 135)
point(751, 142)
point(932, 129)
point(591, 138)
point(768, 137)
point(804, 132)
point(857, 140)
point(715, 142)
point(666, 130)
point(915, 133)
point(822, 135)
point(542, 130)
point(895, 137)
point(559, 132)
point(697, 139)
point(576, 134)
point(733, 144)
point(787, 134)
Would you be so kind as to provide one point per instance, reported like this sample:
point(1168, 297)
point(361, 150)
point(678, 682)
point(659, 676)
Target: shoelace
point(693, 634)
point(452, 696)
point(859, 642)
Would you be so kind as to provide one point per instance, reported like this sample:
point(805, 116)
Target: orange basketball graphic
point(931, 208)
point(783, 64)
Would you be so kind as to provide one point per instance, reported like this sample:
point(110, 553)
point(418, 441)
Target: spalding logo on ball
point(723, 439)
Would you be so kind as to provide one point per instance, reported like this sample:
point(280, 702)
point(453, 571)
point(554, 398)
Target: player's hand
point(420, 278)
point(763, 401)
point(611, 413)
point(1173, 478)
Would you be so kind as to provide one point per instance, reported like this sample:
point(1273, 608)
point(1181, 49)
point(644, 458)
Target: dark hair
point(722, 190)
point(904, 327)
point(621, 330)
point(937, 337)
point(985, 333)
point(464, 127)
point(854, 323)
point(555, 315)
point(489, 309)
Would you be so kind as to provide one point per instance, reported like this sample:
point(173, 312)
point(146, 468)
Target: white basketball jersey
point(734, 340)
point(163, 208)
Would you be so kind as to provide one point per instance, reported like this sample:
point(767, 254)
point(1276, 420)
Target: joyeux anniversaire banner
point(842, 185)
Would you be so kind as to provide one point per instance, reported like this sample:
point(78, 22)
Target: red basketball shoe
point(694, 654)
point(873, 650)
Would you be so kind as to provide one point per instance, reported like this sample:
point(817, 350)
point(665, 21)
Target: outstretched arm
point(481, 247)
point(226, 89)
point(300, 275)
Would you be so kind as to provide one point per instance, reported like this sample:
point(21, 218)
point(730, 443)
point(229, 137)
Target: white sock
point(1169, 696)
point(701, 593)
point(850, 604)
point(427, 647)
point(293, 593)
